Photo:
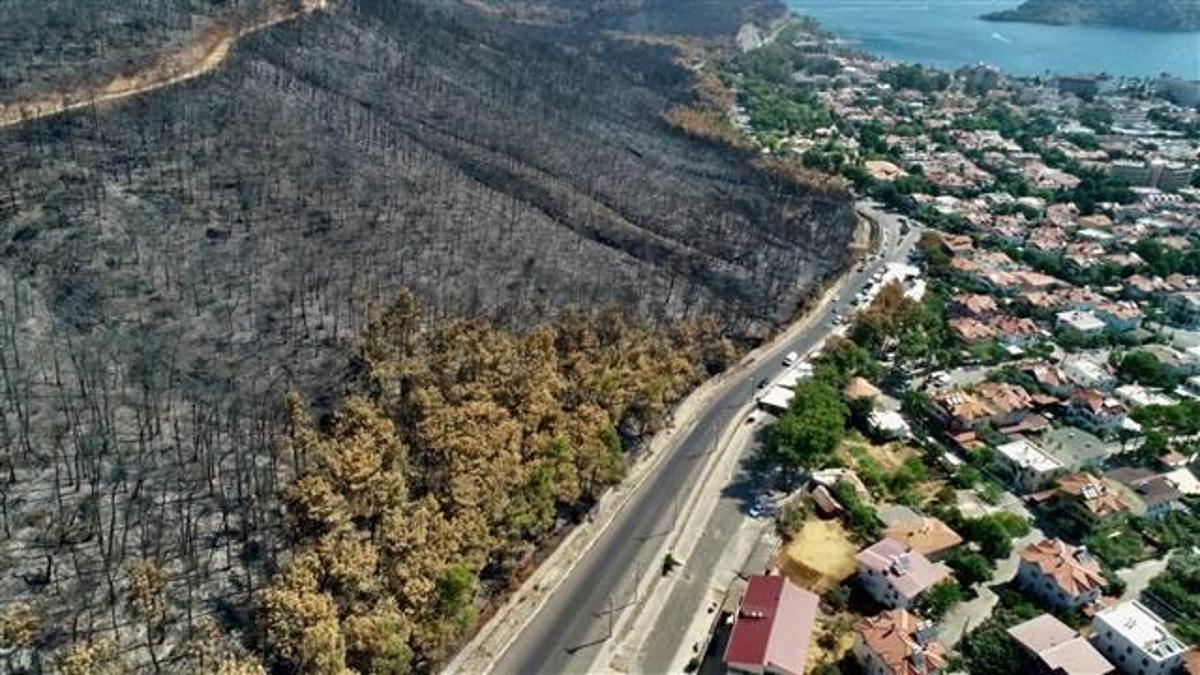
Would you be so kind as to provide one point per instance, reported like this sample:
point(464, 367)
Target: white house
point(1087, 372)
point(1059, 574)
point(888, 425)
point(895, 575)
point(1080, 322)
point(1136, 640)
point(1030, 467)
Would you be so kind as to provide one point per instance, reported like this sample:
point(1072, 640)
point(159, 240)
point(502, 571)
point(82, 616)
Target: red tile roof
point(1063, 563)
point(896, 638)
point(773, 627)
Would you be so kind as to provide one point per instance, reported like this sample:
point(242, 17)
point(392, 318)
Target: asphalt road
point(567, 631)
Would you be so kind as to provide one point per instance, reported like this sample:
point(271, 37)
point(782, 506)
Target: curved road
point(566, 633)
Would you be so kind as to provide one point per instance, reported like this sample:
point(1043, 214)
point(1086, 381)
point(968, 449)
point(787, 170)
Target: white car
point(790, 359)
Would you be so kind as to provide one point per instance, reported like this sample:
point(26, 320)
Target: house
point(1137, 396)
point(1136, 640)
point(1121, 317)
point(1016, 331)
point(1089, 497)
point(956, 244)
point(897, 642)
point(996, 281)
point(971, 331)
point(960, 410)
point(925, 535)
point(1154, 495)
point(888, 425)
point(895, 575)
point(1088, 372)
point(1010, 403)
point(1036, 281)
point(1140, 287)
point(1050, 378)
point(1059, 574)
point(1030, 467)
point(772, 629)
point(1098, 413)
point(1184, 308)
point(1051, 647)
point(1079, 321)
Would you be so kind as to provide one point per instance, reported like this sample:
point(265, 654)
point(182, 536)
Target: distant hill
point(1159, 15)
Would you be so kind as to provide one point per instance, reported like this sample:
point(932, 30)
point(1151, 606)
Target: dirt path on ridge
point(202, 55)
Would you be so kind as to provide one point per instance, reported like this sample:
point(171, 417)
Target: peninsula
point(1155, 15)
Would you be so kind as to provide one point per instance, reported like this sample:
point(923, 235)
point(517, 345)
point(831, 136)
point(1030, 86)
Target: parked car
point(790, 359)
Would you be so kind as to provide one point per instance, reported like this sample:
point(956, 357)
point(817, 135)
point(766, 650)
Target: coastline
point(948, 35)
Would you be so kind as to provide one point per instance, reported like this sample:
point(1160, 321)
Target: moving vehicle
point(790, 359)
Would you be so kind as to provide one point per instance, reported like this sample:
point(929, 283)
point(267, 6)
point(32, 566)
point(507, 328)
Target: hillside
point(1157, 15)
point(173, 262)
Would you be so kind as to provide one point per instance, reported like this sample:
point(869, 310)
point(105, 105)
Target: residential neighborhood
point(989, 467)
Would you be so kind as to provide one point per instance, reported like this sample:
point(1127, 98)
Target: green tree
point(811, 429)
point(935, 602)
point(990, 535)
point(969, 567)
point(1145, 368)
point(988, 650)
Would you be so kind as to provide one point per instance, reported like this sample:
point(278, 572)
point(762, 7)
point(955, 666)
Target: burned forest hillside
point(171, 264)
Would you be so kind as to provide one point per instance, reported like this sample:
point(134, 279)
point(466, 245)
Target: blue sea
point(949, 34)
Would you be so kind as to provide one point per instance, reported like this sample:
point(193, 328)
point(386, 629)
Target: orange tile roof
point(963, 405)
point(894, 636)
point(1191, 661)
point(976, 303)
point(1074, 573)
point(1093, 493)
point(970, 330)
point(929, 536)
point(1004, 397)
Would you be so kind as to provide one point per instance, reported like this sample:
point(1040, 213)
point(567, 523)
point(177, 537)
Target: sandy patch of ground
point(832, 639)
point(820, 557)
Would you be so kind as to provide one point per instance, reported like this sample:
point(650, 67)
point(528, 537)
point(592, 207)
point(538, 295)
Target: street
point(568, 631)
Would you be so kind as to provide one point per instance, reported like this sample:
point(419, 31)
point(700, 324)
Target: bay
point(949, 34)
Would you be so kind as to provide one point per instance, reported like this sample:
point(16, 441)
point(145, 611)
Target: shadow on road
point(754, 478)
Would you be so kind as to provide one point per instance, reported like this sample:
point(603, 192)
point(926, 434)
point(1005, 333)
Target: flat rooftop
point(1027, 455)
point(1142, 627)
